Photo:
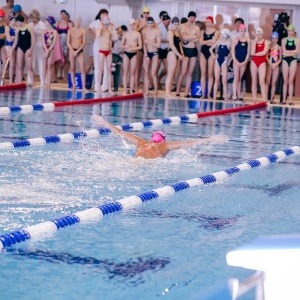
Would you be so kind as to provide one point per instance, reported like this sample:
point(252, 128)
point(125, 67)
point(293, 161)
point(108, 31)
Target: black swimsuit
point(130, 55)
point(205, 48)
point(176, 42)
point(24, 40)
point(2, 30)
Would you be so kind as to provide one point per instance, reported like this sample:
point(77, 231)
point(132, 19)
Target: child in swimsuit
point(2, 38)
point(49, 40)
point(131, 43)
point(152, 41)
point(175, 54)
point(221, 61)
point(23, 45)
point(10, 31)
point(106, 33)
point(274, 59)
point(240, 54)
point(259, 51)
point(207, 39)
point(76, 41)
point(290, 49)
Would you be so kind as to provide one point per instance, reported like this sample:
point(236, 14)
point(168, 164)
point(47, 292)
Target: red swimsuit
point(258, 60)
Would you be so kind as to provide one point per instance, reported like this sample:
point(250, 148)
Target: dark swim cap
point(192, 14)
point(175, 20)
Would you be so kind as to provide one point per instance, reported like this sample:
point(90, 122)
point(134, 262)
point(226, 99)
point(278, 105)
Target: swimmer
point(157, 146)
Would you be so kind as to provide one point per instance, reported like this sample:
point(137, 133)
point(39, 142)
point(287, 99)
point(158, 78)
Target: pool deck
point(62, 85)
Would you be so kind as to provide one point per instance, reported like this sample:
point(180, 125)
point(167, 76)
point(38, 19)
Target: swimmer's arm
point(126, 135)
point(191, 143)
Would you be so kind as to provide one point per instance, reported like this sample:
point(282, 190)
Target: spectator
point(175, 54)
point(10, 32)
point(240, 52)
point(152, 41)
point(19, 12)
point(37, 54)
point(164, 46)
point(274, 59)
point(62, 28)
point(221, 61)
point(76, 41)
point(207, 39)
point(106, 33)
point(8, 8)
point(235, 33)
point(290, 50)
point(190, 34)
point(23, 45)
point(93, 27)
point(131, 43)
point(259, 50)
point(48, 43)
point(2, 38)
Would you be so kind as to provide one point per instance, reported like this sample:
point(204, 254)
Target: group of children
point(47, 45)
point(175, 44)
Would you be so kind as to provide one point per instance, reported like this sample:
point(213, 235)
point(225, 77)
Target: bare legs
point(217, 72)
point(183, 70)
point(272, 75)
point(261, 71)
point(188, 78)
point(152, 65)
point(289, 73)
point(172, 63)
point(207, 70)
point(129, 65)
point(238, 71)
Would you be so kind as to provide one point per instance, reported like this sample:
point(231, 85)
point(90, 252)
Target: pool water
point(169, 248)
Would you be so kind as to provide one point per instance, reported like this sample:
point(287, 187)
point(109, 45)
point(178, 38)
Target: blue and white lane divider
point(46, 229)
point(27, 108)
point(68, 137)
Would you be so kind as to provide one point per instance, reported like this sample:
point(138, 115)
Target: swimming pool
point(168, 248)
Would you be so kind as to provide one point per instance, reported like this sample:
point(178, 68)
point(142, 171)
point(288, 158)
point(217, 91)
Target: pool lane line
point(52, 105)
point(68, 137)
point(13, 86)
point(48, 228)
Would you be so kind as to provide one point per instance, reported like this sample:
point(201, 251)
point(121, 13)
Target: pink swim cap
point(242, 26)
point(158, 137)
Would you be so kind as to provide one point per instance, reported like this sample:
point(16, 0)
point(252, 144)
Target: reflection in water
point(206, 222)
point(129, 269)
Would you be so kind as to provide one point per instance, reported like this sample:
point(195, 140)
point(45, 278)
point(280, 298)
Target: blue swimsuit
point(223, 51)
point(241, 50)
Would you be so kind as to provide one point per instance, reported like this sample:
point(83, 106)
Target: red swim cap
point(210, 18)
point(2, 13)
point(158, 137)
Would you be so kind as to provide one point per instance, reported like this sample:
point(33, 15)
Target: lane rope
point(138, 126)
point(47, 229)
point(13, 86)
point(52, 105)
